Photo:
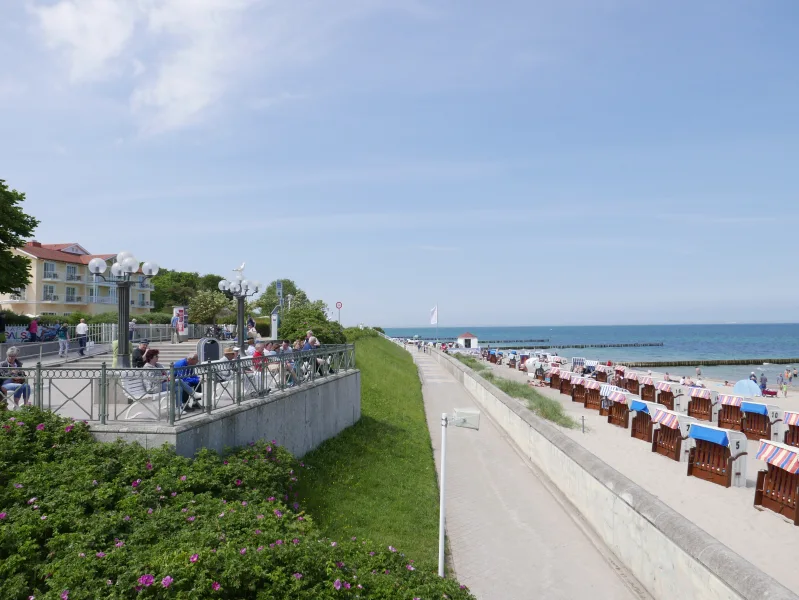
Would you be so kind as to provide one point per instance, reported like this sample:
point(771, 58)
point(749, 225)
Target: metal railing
point(169, 394)
point(50, 275)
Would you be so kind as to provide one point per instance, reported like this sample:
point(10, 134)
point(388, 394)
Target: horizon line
point(584, 325)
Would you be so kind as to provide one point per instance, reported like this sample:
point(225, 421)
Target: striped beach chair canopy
point(620, 397)
point(667, 418)
point(621, 368)
point(667, 386)
point(779, 455)
point(730, 400)
point(554, 371)
point(592, 384)
point(701, 393)
point(647, 380)
point(604, 369)
point(606, 389)
point(577, 380)
point(791, 418)
point(632, 375)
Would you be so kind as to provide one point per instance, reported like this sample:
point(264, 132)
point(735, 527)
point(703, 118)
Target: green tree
point(209, 282)
point(176, 288)
point(15, 226)
point(296, 322)
point(206, 306)
point(268, 299)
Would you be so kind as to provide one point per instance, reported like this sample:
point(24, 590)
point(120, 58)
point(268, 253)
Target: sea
point(680, 342)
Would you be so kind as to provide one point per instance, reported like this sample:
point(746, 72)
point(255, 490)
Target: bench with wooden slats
point(730, 415)
point(592, 399)
point(631, 383)
point(566, 383)
point(777, 487)
point(761, 421)
point(641, 425)
point(619, 410)
point(671, 438)
point(791, 421)
point(648, 391)
point(578, 390)
point(554, 378)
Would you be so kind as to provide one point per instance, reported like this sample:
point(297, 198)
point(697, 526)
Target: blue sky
point(520, 162)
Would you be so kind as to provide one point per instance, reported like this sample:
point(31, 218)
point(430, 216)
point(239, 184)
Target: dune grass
point(544, 407)
point(471, 362)
point(377, 478)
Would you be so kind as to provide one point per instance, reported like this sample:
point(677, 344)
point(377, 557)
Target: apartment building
point(61, 284)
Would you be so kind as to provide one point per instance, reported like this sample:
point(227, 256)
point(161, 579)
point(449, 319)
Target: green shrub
point(471, 362)
point(81, 519)
point(353, 334)
point(13, 318)
point(263, 329)
point(544, 407)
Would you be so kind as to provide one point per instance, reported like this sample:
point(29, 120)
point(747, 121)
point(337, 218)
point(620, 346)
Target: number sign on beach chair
point(730, 415)
point(578, 388)
point(592, 398)
point(718, 455)
point(670, 395)
point(671, 437)
point(641, 425)
point(761, 421)
point(554, 378)
point(619, 414)
point(777, 487)
point(791, 422)
point(631, 382)
point(703, 405)
point(648, 390)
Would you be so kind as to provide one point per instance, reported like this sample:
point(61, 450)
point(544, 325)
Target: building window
point(67, 314)
point(48, 293)
point(142, 300)
point(72, 273)
point(71, 295)
point(91, 292)
point(48, 313)
point(49, 271)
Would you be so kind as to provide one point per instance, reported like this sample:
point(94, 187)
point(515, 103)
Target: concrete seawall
point(299, 419)
point(667, 553)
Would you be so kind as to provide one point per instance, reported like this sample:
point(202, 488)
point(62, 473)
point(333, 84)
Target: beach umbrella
point(747, 387)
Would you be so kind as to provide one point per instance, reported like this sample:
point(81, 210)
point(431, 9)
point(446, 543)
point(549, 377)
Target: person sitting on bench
point(12, 380)
point(187, 383)
point(138, 354)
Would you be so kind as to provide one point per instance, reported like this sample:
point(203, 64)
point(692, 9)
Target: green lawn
point(377, 479)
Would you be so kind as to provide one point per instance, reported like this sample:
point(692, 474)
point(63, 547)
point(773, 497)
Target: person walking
point(62, 335)
point(698, 372)
point(784, 386)
point(763, 382)
point(131, 329)
point(174, 327)
point(82, 331)
point(33, 330)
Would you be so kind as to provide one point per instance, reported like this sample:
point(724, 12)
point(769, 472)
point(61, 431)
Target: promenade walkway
point(509, 536)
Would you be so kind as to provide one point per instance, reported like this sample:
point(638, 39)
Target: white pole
point(442, 510)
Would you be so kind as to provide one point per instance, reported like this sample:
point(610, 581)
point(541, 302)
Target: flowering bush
point(81, 519)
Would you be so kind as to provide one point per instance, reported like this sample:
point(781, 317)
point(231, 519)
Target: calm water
point(680, 342)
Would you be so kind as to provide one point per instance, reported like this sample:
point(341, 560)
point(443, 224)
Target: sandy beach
point(764, 538)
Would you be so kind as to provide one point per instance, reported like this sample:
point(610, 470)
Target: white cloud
point(92, 32)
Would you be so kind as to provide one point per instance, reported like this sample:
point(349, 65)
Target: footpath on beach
point(509, 536)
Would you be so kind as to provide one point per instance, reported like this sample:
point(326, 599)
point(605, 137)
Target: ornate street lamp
point(125, 267)
point(240, 289)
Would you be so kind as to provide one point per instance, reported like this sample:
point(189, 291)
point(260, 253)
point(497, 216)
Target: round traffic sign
point(339, 305)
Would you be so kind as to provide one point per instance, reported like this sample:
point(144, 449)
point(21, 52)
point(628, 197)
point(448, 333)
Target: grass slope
point(377, 479)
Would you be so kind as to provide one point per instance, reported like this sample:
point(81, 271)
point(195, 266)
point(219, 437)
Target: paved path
point(510, 538)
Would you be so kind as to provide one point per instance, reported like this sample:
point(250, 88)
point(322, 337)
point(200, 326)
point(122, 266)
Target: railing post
point(172, 395)
point(282, 384)
point(103, 394)
point(312, 362)
point(37, 387)
point(238, 390)
point(208, 391)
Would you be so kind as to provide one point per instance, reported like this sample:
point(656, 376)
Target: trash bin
point(208, 349)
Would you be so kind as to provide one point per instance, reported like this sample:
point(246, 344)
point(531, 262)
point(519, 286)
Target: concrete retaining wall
point(667, 553)
point(299, 419)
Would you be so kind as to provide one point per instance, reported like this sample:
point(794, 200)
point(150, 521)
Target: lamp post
point(239, 288)
point(125, 267)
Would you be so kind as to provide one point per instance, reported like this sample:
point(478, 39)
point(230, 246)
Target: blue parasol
point(747, 387)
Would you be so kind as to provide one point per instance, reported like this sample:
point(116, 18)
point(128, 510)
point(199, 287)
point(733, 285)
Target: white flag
point(434, 315)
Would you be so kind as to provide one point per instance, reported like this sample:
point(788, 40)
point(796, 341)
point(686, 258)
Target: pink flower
point(334, 544)
point(243, 551)
point(109, 582)
point(215, 586)
point(238, 482)
point(94, 482)
point(149, 466)
point(149, 511)
point(40, 427)
point(259, 548)
point(392, 548)
point(174, 494)
point(32, 500)
point(158, 487)
point(371, 554)
point(297, 575)
point(82, 555)
point(271, 499)
point(183, 478)
point(278, 514)
point(257, 532)
point(146, 580)
point(65, 595)
point(244, 503)
point(194, 558)
point(136, 484)
point(100, 555)
point(347, 585)
point(354, 538)
point(167, 581)
point(300, 518)
point(259, 517)
point(337, 584)
point(410, 568)
point(69, 428)
point(278, 542)
point(190, 519)
point(295, 541)
point(221, 515)
point(44, 517)
point(126, 518)
point(18, 485)
point(119, 544)
point(184, 510)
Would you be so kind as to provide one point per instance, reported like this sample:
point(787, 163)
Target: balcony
point(103, 299)
point(144, 303)
point(74, 277)
point(17, 298)
point(75, 299)
point(50, 275)
point(143, 285)
point(51, 298)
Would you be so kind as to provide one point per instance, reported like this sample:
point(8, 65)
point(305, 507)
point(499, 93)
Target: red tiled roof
point(467, 335)
point(47, 253)
point(59, 246)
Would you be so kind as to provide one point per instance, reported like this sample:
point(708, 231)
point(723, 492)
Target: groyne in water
point(711, 363)
point(562, 346)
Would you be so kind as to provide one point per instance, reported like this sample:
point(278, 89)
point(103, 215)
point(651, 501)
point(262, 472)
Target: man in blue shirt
point(174, 326)
point(187, 383)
